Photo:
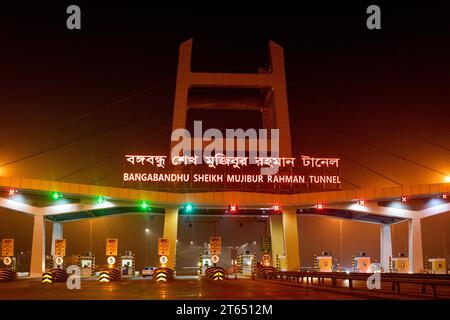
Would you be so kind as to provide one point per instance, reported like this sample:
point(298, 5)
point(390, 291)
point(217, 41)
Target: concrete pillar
point(290, 229)
point(385, 246)
point(170, 232)
point(57, 234)
point(276, 237)
point(182, 85)
point(38, 247)
point(415, 254)
point(280, 97)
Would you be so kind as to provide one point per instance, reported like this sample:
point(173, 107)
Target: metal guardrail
point(395, 279)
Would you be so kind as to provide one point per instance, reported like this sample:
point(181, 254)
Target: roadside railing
point(432, 280)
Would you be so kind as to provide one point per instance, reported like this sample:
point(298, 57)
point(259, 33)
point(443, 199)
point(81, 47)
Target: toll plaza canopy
point(79, 201)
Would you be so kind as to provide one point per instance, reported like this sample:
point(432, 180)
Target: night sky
point(74, 102)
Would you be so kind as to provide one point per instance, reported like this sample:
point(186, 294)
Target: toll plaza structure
point(79, 202)
point(87, 264)
point(127, 264)
point(277, 199)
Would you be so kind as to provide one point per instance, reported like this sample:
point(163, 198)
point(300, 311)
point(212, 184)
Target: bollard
point(104, 277)
point(7, 275)
point(47, 277)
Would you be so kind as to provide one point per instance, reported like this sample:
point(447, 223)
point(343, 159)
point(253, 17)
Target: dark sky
point(374, 98)
point(73, 102)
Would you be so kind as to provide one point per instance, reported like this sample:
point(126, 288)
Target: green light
point(56, 195)
point(144, 205)
point(188, 207)
point(100, 199)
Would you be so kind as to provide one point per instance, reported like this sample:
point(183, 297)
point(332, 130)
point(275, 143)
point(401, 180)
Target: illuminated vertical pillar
point(290, 229)
point(280, 98)
point(415, 254)
point(385, 246)
point(57, 234)
point(182, 86)
point(170, 232)
point(276, 237)
point(38, 247)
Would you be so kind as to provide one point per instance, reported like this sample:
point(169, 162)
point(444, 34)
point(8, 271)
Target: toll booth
point(247, 263)
point(87, 264)
point(127, 264)
point(376, 267)
point(438, 265)
point(325, 263)
point(362, 263)
point(400, 265)
point(205, 262)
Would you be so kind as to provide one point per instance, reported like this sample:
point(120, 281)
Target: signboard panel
point(163, 259)
point(215, 245)
point(59, 261)
point(111, 260)
point(7, 261)
point(60, 248)
point(7, 247)
point(163, 247)
point(112, 245)
point(304, 174)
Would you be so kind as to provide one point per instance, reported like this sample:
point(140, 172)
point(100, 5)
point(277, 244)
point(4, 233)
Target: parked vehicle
point(147, 271)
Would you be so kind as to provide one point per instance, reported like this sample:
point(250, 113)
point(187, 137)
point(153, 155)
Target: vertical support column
point(280, 98)
point(385, 246)
point(415, 254)
point(290, 229)
point(38, 246)
point(276, 237)
point(57, 234)
point(170, 232)
point(182, 85)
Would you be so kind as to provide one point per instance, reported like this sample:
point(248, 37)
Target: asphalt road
point(191, 288)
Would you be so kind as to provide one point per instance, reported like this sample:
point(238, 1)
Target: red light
point(319, 206)
point(404, 198)
point(233, 208)
point(276, 208)
point(444, 196)
point(12, 192)
point(362, 202)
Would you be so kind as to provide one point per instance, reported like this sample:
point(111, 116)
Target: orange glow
point(319, 206)
point(362, 202)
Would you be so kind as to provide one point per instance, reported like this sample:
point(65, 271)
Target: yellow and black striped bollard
point(277, 263)
point(316, 267)
point(104, 277)
point(47, 277)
